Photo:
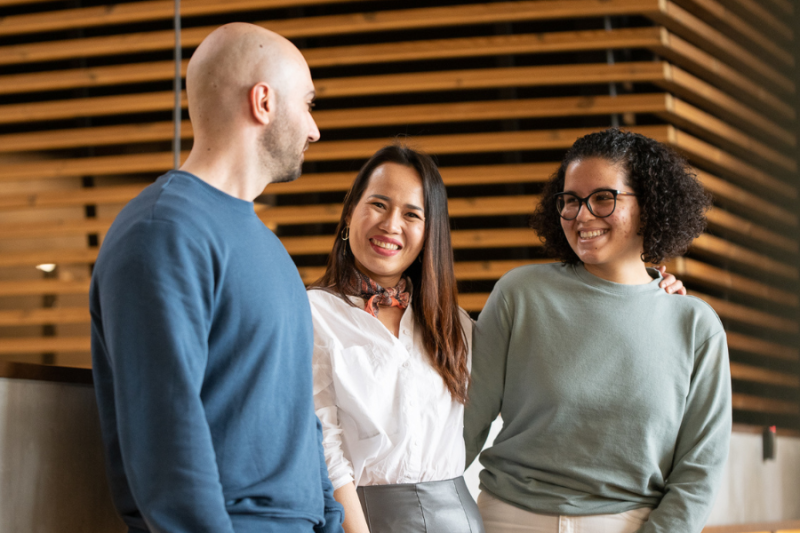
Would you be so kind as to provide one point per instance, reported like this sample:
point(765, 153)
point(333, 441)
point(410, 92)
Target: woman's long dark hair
point(434, 293)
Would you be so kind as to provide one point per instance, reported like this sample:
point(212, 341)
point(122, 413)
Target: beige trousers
point(500, 517)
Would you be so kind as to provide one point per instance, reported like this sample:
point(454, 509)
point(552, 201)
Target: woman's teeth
point(385, 245)
point(591, 234)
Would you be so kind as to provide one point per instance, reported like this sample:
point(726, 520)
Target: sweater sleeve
point(156, 300)
point(702, 445)
point(340, 469)
point(491, 335)
point(334, 512)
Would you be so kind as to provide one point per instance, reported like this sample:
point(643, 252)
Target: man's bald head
point(250, 97)
point(228, 63)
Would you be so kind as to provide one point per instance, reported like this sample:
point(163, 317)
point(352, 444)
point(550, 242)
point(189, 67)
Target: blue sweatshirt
point(201, 347)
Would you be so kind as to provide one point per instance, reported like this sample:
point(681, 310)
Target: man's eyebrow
point(387, 199)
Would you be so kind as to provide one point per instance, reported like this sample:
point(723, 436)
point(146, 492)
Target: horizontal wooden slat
point(664, 12)
point(331, 119)
point(87, 196)
point(786, 6)
point(652, 38)
point(725, 222)
point(746, 200)
point(128, 13)
point(57, 256)
point(94, 136)
point(708, 67)
point(453, 176)
point(689, 27)
point(755, 11)
point(327, 182)
point(716, 13)
point(440, 144)
point(32, 317)
point(661, 73)
point(748, 315)
point(54, 228)
point(762, 375)
point(702, 123)
point(411, 82)
point(9, 346)
point(321, 151)
point(701, 93)
point(462, 239)
point(738, 341)
point(87, 107)
point(43, 286)
point(661, 104)
point(728, 165)
point(708, 245)
point(319, 26)
point(707, 275)
point(746, 402)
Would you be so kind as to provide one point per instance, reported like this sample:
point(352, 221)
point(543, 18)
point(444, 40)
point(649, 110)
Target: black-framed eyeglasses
point(601, 203)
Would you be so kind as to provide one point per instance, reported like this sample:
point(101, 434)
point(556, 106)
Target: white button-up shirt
point(387, 416)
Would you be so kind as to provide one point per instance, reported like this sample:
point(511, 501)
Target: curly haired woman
point(615, 397)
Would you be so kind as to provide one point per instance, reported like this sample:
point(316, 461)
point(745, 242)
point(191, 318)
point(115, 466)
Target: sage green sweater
point(613, 397)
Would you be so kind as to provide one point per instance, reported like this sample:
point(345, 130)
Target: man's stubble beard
point(277, 152)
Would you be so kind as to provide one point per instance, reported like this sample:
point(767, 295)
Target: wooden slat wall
point(496, 90)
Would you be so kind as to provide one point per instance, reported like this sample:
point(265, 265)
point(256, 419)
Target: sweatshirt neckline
point(617, 288)
point(226, 199)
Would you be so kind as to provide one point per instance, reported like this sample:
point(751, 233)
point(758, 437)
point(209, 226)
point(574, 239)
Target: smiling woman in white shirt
point(391, 354)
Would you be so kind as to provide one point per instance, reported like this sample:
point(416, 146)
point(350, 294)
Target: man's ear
point(262, 102)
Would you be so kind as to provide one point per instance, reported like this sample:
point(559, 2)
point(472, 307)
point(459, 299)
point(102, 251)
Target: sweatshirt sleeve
point(334, 512)
point(702, 446)
point(156, 301)
point(490, 341)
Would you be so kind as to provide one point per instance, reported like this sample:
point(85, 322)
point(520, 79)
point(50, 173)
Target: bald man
point(201, 328)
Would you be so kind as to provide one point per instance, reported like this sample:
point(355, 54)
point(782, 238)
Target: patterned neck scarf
point(361, 285)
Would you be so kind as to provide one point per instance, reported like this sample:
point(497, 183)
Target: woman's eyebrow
point(594, 191)
point(387, 199)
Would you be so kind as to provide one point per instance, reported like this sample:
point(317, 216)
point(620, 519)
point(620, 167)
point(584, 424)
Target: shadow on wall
point(52, 471)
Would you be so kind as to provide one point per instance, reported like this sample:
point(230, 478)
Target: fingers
point(670, 283)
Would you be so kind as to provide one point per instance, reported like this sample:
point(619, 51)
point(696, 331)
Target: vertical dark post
point(612, 87)
point(177, 113)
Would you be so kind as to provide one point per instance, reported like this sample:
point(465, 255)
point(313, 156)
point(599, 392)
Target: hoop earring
point(345, 233)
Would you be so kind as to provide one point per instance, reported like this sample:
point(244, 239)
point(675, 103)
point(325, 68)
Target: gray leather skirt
point(430, 507)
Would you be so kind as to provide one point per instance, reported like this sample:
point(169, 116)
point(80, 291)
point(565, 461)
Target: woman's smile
point(609, 247)
point(384, 246)
point(387, 225)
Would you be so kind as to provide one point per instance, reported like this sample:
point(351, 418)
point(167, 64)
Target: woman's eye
point(414, 215)
point(378, 204)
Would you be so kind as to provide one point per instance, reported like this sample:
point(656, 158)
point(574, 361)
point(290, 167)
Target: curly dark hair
point(672, 202)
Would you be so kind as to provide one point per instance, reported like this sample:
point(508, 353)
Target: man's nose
point(313, 132)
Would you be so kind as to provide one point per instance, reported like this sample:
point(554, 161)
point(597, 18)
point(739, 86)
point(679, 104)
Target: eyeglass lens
point(601, 204)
